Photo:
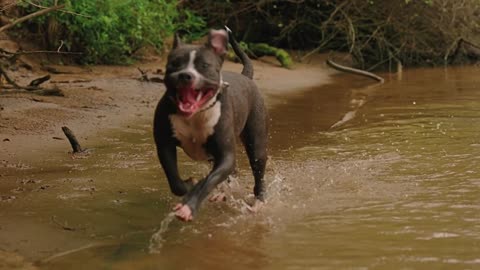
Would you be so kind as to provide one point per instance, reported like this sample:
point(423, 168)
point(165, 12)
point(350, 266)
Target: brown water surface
point(394, 185)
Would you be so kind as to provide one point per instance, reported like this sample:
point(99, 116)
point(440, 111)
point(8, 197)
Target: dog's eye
point(173, 65)
point(205, 65)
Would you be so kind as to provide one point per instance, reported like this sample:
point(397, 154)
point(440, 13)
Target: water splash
point(157, 240)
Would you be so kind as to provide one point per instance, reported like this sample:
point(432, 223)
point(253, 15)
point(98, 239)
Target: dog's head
point(193, 77)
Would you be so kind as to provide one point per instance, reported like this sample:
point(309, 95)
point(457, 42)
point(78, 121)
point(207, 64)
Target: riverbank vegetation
point(378, 34)
point(110, 31)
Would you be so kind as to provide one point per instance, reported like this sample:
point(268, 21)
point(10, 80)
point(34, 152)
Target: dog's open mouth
point(190, 100)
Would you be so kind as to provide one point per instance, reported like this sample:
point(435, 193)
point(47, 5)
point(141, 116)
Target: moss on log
point(262, 49)
point(256, 50)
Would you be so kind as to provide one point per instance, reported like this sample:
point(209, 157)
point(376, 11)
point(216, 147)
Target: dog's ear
point(177, 41)
point(218, 41)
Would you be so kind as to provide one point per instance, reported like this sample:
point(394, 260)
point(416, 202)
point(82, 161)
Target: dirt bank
point(103, 97)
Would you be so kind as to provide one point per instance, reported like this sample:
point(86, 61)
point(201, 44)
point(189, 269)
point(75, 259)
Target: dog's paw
point(255, 207)
point(183, 212)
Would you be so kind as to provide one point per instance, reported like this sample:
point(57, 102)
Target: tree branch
point(61, 10)
point(30, 16)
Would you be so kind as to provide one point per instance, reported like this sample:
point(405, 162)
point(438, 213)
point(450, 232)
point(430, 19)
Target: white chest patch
point(193, 132)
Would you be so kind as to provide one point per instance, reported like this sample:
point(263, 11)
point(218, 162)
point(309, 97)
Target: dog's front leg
point(167, 153)
point(222, 168)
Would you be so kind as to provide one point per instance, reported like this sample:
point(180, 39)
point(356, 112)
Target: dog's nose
point(185, 77)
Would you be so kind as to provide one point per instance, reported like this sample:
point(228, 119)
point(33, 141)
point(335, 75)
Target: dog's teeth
point(199, 96)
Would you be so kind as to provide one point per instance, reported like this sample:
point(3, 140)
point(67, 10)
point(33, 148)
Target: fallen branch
point(37, 82)
point(73, 140)
point(46, 52)
point(144, 77)
point(30, 16)
point(33, 87)
point(55, 91)
point(13, 56)
point(355, 71)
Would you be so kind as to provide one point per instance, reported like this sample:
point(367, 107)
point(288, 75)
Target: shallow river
point(359, 177)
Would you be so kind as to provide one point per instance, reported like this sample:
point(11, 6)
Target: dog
point(203, 111)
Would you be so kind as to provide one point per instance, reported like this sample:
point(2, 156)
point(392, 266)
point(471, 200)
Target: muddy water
point(394, 184)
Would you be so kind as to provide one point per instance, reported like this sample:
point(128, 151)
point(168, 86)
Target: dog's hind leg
point(254, 137)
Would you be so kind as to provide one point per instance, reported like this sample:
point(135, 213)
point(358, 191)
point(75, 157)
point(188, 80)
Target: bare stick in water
point(355, 71)
point(73, 140)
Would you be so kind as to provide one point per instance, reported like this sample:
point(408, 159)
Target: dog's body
point(204, 111)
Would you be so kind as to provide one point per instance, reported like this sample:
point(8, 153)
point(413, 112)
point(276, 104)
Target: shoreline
point(106, 97)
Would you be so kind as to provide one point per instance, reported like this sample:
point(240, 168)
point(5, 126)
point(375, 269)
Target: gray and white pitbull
point(204, 110)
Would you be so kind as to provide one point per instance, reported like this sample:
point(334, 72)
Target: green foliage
point(110, 31)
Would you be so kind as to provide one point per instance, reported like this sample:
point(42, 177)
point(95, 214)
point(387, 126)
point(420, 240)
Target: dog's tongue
point(188, 101)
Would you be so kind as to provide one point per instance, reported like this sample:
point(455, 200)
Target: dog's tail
point(247, 70)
